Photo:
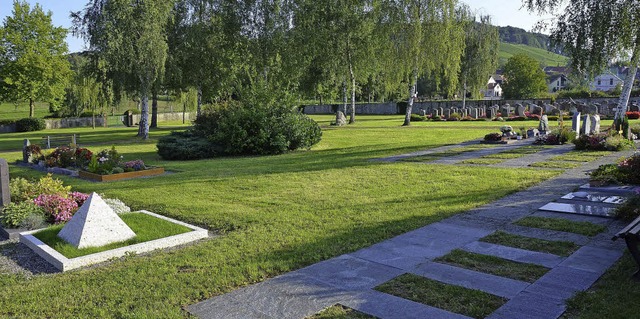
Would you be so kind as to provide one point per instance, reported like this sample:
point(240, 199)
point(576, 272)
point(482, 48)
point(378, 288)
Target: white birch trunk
point(352, 114)
point(143, 128)
point(199, 108)
point(412, 95)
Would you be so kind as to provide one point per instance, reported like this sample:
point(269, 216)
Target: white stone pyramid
point(95, 224)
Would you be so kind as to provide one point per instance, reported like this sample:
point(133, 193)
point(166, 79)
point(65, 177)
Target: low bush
point(630, 169)
point(635, 129)
point(492, 137)
point(607, 174)
point(58, 209)
point(417, 118)
point(454, 117)
point(14, 214)
point(618, 143)
point(30, 124)
point(23, 190)
point(603, 142)
point(186, 146)
point(556, 137)
point(630, 209)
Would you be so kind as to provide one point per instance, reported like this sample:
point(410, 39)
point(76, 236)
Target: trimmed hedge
point(30, 124)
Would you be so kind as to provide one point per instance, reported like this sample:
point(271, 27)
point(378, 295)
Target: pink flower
point(58, 208)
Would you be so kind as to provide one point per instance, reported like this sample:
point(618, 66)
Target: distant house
point(557, 82)
point(494, 88)
point(609, 79)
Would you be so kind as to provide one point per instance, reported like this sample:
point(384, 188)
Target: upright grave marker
point(5, 195)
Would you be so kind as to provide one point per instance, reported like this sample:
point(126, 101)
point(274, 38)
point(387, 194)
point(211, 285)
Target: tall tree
point(524, 78)
point(33, 66)
point(130, 36)
point(480, 57)
point(593, 32)
point(429, 42)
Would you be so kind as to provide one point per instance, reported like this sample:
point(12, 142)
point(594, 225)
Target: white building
point(609, 79)
point(494, 90)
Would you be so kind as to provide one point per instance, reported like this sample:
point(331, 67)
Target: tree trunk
point(628, 85)
point(32, 108)
point(464, 94)
point(412, 95)
point(320, 99)
point(199, 108)
point(143, 126)
point(344, 96)
point(154, 110)
point(352, 114)
point(184, 111)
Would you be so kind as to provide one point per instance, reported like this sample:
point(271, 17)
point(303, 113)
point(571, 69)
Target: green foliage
point(15, 214)
point(629, 210)
point(524, 78)
point(186, 146)
point(33, 66)
point(30, 124)
point(607, 174)
point(418, 118)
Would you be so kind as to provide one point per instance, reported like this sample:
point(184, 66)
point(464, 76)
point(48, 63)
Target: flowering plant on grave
point(136, 165)
point(58, 209)
point(493, 137)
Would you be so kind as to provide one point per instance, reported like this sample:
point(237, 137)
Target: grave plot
point(578, 208)
point(594, 197)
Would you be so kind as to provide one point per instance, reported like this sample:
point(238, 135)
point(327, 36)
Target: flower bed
point(106, 165)
point(36, 204)
point(626, 171)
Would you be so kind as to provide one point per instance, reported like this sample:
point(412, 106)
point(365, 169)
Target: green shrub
point(629, 210)
point(436, 118)
point(607, 173)
point(417, 118)
point(492, 137)
point(15, 214)
point(186, 146)
point(30, 124)
point(454, 117)
point(618, 143)
point(629, 168)
point(24, 190)
point(635, 129)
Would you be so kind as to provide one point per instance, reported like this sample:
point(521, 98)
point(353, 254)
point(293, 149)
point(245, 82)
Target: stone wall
point(74, 122)
point(607, 104)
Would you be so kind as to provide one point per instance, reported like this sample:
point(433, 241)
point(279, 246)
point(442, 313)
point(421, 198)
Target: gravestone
point(95, 224)
point(573, 110)
point(447, 112)
point(25, 152)
point(586, 125)
point(532, 133)
point(575, 123)
point(341, 120)
point(434, 113)
point(535, 109)
point(492, 113)
point(543, 127)
point(593, 108)
point(520, 110)
point(595, 124)
point(475, 113)
point(5, 195)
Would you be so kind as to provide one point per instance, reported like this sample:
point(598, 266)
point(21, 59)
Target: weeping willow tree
point(593, 33)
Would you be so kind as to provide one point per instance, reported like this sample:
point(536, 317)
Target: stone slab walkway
point(349, 279)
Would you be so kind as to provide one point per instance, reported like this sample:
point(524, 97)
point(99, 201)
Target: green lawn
point(277, 214)
point(545, 57)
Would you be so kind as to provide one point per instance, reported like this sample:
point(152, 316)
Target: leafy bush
point(630, 169)
point(493, 137)
point(591, 142)
point(454, 117)
point(239, 130)
point(630, 209)
point(23, 190)
point(417, 117)
point(436, 118)
point(633, 115)
point(30, 124)
point(607, 173)
point(186, 146)
point(14, 214)
point(618, 143)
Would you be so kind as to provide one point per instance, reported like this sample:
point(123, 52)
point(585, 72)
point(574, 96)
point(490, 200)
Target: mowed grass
point(341, 312)
point(482, 161)
point(581, 156)
point(561, 224)
point(469, 302)
point(146, 228)
point(555, 164)
point(560, 248)
point(493, 265)
point(277, 214)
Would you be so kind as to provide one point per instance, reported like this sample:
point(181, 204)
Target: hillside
point(545, 57)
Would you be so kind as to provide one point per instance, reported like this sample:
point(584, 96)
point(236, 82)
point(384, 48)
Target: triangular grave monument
point(95, 224)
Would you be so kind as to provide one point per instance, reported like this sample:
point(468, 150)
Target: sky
point(503, 12)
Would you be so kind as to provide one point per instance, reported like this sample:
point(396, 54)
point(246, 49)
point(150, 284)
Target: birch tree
point(480, 56)
point(593, 33)
point(130, 36)
point(427, 41)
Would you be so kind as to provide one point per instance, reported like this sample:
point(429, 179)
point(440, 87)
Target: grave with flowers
point(106, 165)
point(70, 229)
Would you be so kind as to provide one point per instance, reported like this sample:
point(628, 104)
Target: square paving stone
point(582, 209)
point(499, 286)
point(528, 305)
point(351, 273)
point(593, 259)
point(387, 306)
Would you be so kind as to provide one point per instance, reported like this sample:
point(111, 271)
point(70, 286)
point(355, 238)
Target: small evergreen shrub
point(492, 137)
point(454, 117)
point(30, 124)
point(417, 118)
point(630, 209)
point(630, 169)
point(186, 146)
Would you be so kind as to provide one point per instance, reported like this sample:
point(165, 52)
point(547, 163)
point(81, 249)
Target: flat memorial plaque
point(584, 196)
point(617, 190)
point(580, 209)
